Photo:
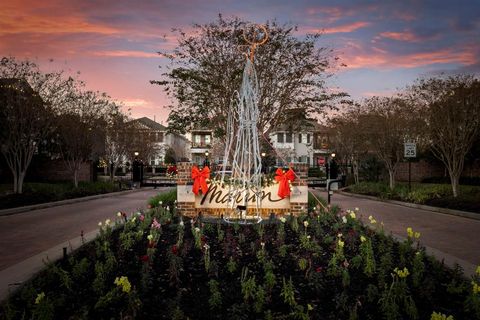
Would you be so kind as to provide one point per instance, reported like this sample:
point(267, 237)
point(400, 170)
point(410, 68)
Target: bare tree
point(28, 100)
point(451, 108)
point(139, 140)
point(116, 144)
point(347, 140)
point(80, 127)
point(25, 123)
point(387, 123)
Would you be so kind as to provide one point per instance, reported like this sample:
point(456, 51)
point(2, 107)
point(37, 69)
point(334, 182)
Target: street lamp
point(206, 163)
point(330, 165)
point(264, 170)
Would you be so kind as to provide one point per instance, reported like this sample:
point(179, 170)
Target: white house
point(164, 140)
point(308, 144)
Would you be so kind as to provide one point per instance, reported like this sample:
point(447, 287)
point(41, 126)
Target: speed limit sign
point(410, 150)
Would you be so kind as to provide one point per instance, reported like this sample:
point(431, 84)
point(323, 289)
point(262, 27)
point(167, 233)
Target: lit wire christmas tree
point(242, 139)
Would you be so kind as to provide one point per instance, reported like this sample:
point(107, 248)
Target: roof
point(151, 124)
point(308, 125)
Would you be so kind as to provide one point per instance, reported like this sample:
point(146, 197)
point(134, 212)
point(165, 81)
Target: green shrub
point(167, 198)
point(423, 193)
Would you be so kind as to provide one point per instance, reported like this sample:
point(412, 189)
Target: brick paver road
point(26, 234)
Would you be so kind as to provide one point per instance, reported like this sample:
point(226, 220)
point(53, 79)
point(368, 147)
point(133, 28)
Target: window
point(207, 140)
point(300, 138)
point(280, 137)
point(289, 137)
point(308, 137)
point(197, 138)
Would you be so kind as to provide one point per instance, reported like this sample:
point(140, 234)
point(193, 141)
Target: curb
point(459, 213)
point(11, 211)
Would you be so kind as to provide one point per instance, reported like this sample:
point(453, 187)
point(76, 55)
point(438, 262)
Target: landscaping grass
point(324, 265)
point(438, 195)
point(35, 193)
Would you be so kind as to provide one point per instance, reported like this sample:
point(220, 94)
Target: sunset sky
point(385, 44)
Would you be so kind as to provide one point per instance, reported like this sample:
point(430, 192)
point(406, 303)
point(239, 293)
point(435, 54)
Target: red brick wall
point(423, 169)
point(420, 171)
point(55, 170)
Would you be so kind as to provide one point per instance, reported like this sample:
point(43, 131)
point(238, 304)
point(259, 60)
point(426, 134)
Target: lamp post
point(206, 163)
point(330, 165)
point(264, 170)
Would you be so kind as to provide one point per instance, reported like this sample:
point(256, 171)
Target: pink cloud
point(129, 54)
point(383, 60)
point(346, 28)
point(401, 36)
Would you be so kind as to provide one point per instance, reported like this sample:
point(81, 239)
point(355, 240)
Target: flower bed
point(323, 265)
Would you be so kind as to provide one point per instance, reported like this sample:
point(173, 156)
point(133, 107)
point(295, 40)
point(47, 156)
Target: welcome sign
point(218, 198)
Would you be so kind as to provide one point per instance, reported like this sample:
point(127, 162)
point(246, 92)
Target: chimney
point(154, 119)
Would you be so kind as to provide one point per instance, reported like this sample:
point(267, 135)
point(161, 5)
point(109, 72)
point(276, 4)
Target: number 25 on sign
point(410, 150)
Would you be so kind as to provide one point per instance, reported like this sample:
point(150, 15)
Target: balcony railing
point(200, 145)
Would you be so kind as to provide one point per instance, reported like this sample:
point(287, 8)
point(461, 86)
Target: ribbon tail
point(196, 187)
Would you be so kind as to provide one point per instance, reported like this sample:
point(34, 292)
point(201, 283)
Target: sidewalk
point(451, 238)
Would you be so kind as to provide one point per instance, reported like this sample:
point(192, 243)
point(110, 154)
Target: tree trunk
point(15, 181)
point(355, 171)
point(455, 178)
point(75, 177)
point(112, 172)
point(391, 174)
point(21, 177)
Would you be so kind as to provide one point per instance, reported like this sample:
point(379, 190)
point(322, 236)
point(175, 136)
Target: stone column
point(185, 196)
point(299, 196)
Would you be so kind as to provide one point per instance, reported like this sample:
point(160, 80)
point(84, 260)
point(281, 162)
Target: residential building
point(201, 144)
point(162, 140)
point(309, 144)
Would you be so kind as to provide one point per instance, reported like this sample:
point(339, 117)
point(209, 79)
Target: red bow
point(283, 178)
point(200, 179)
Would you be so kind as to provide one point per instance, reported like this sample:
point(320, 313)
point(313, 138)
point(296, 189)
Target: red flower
point(149, 206)
point(174, 249)
point(318, 269)
point(144, 258)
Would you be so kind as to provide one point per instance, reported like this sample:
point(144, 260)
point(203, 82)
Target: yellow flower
point(305, 223)
point(124, 283)
point(40, 297)
point(410, 232)
point(417, 235)
point(440, 316)
point(341, 244)
point(476, 287)
point(309, 307)
point(363, 239)
point(402, 273)
point(150, 237)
